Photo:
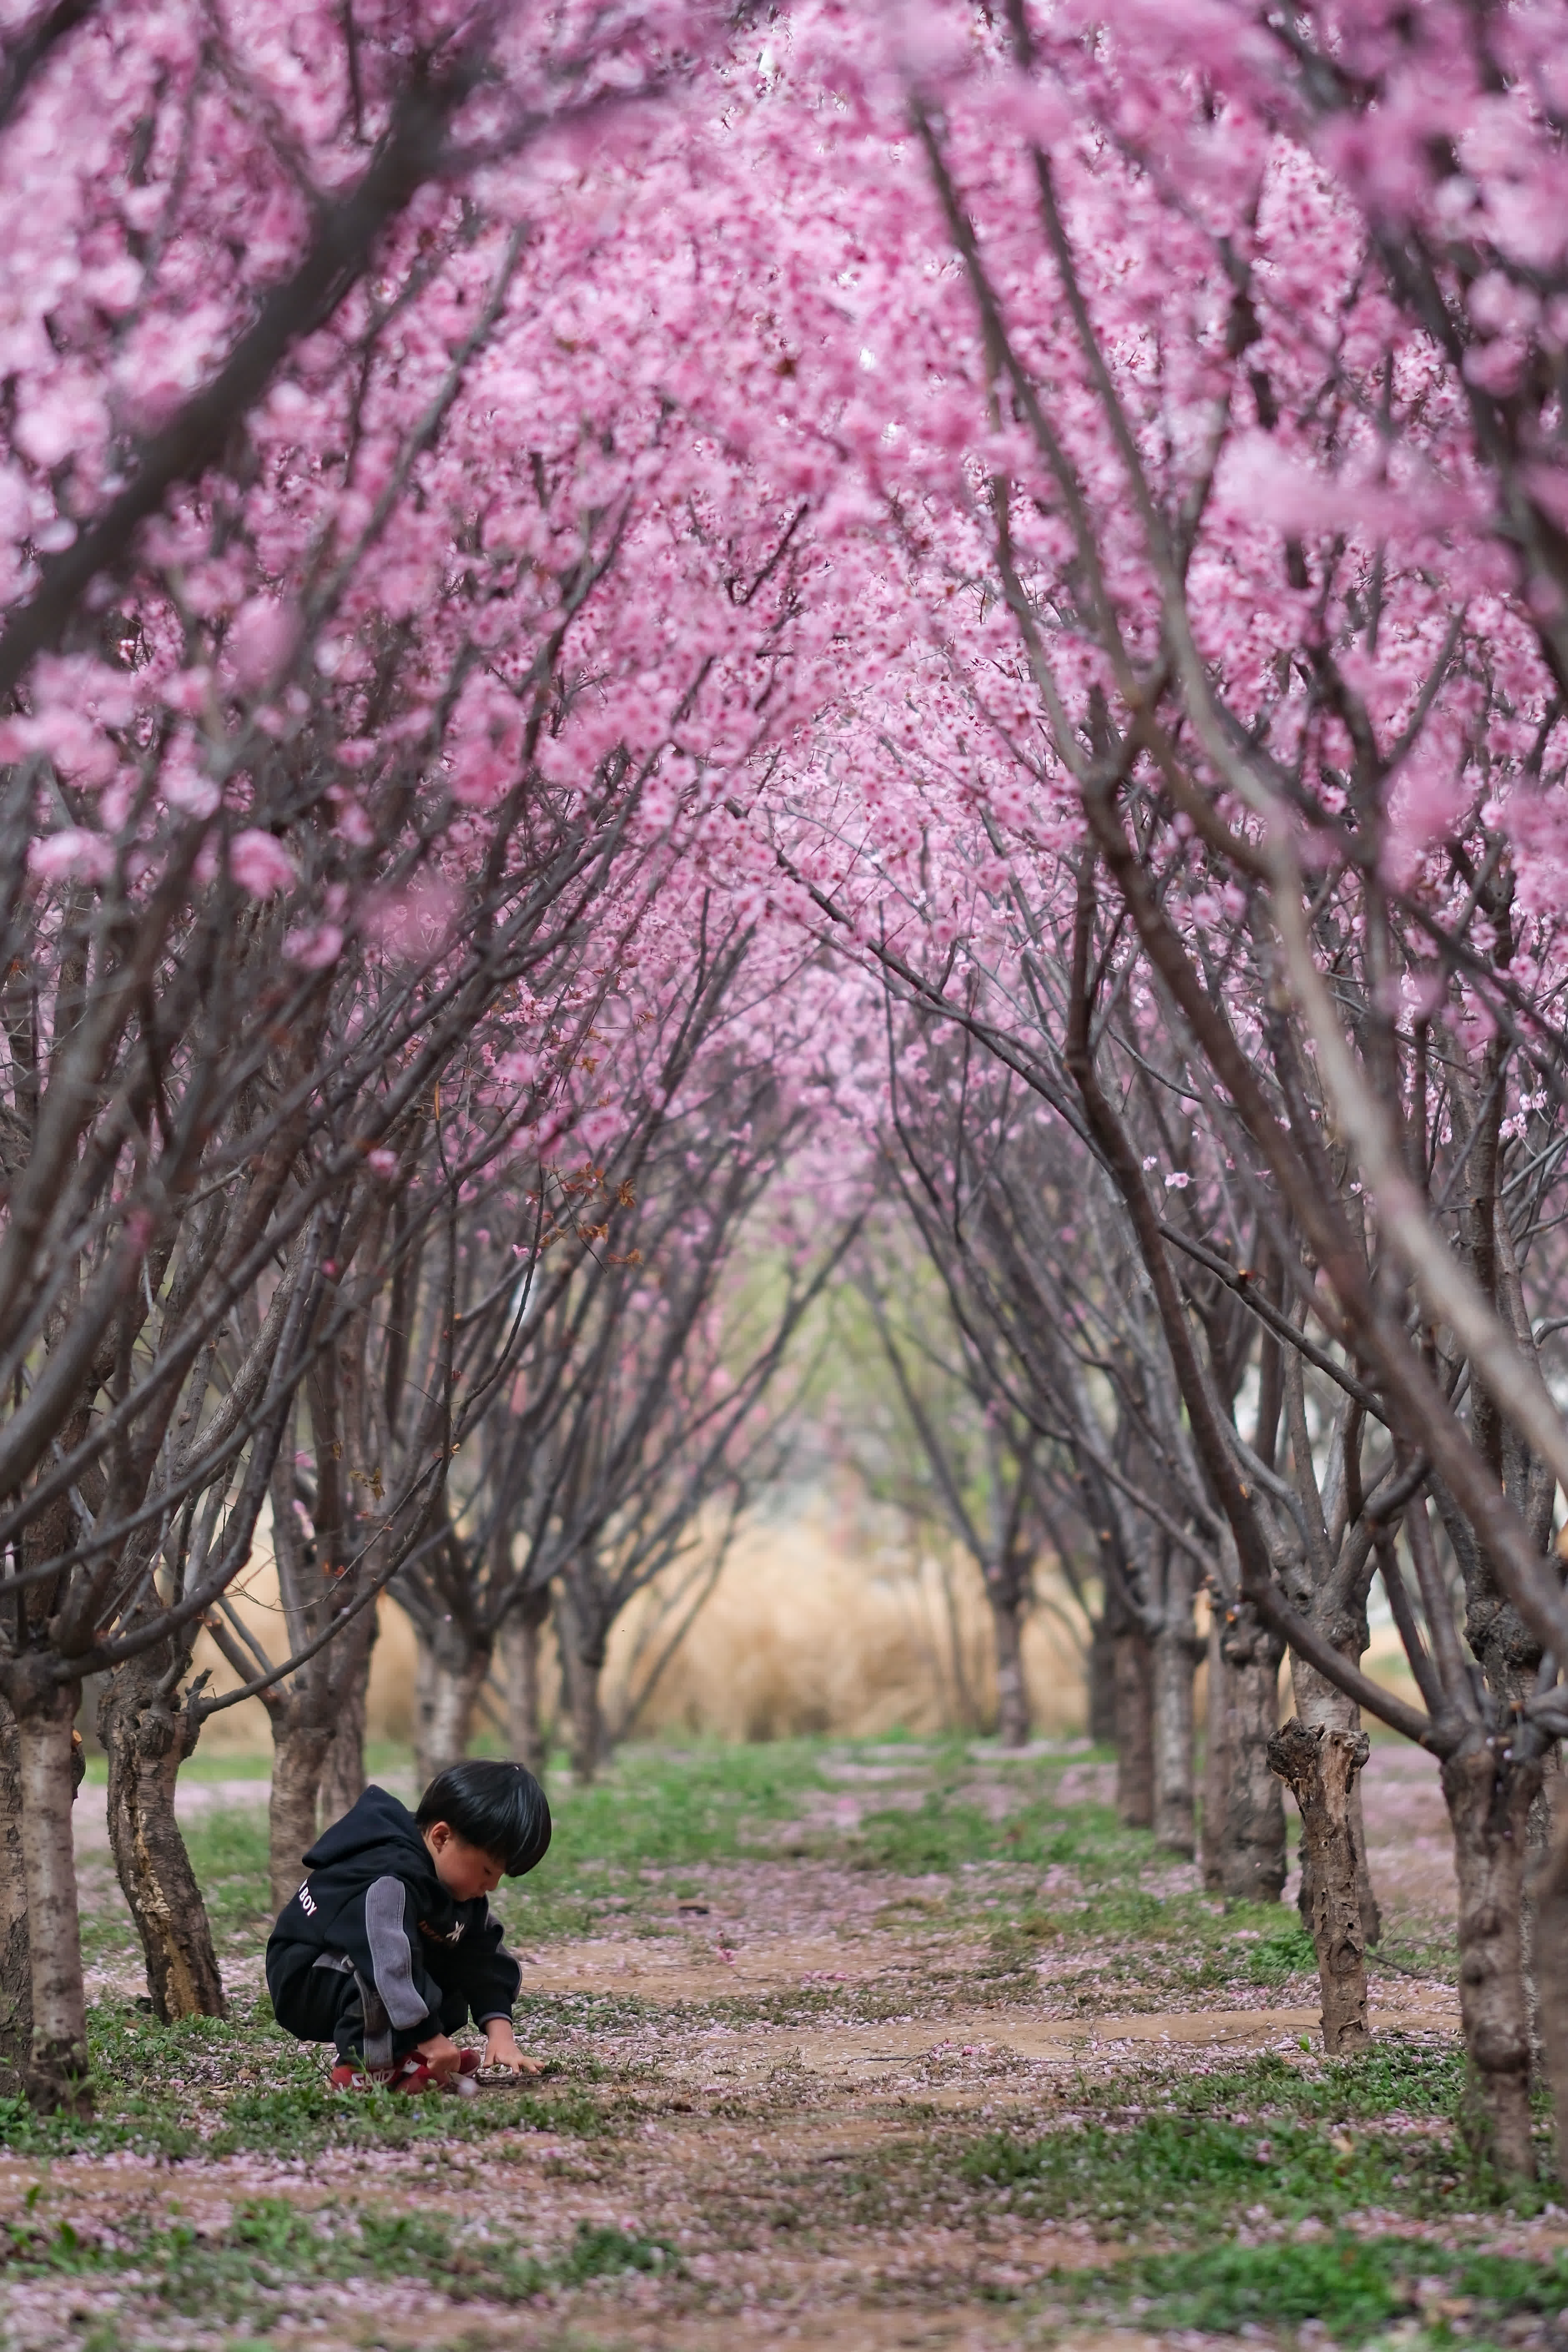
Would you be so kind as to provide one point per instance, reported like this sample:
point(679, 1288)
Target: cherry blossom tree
point(1211, 677)
point(640, 1399)
point(952, 1455)
point(1098, 569)
point(1044, 1280)
point(246, 798)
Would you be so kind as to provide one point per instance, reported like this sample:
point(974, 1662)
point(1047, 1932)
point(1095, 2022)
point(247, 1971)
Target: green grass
point(1191, 2153)
point(241, 2085)
point(616, 1843)
point(207, 1765)
point(1188, 1940)
point(269, 2251)
point(303, 2120)
point(1193, 2174)
point(228, 1853)
point(1284, 1948)
point(1353, 2287)
point(1164, 2159)
point(671, 1808)
point(639, 1839)
point(601, 2250)
point(213, 2087)
point(657, 1814)
point(1402, 2074)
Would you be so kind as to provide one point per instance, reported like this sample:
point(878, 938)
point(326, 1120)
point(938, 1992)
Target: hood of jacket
point(379, 1838)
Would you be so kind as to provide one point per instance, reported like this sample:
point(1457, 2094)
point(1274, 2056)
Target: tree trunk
point(1252, 1855)
point(1550, 1889)
point(582, 1647)
point(452, 1677)
point(1321, 1768)
point(16, 1967)
point(342, 1775)
point(1538, 1836)
point(1489, 1804)
point(57, 2066)
point(521, 1638)
point(1322, 1707)
point(587, 1718)
point(299, 1752)
point(1011, 1688)
point(147, 1737)
point(1173, 1713)
point(1366, 1894)
point(1134, 1730)
point(1101, 1676)
point(1217, 1756)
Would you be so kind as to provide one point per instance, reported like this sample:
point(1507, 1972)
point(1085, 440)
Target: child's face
point(464, 1870)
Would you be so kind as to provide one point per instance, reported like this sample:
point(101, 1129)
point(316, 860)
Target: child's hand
point(501, 2050)
point(440, 2056)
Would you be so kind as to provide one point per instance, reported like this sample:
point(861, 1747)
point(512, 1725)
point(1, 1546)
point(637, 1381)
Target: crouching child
point(390, 1946)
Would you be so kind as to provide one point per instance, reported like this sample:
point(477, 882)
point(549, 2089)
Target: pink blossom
point(261, 641)
point(72, 854)
point(261, 864)
point(314, 947)
point(414, 921)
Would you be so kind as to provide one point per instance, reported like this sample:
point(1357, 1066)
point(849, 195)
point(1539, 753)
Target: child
point(390, 1946)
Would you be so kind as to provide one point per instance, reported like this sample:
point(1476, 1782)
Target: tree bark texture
point(1366, 1893)
point(1321, 1706)
point(1101, 1671)
point(1488, 1802)
point(451, 1677)
point(1550, 1889)
point(581, 1645)
point(147, 1737)
point(1538, 1835)
point(16, 1967)
point(299, 1752)
point(342, 1775)
point(55, 2070)
point(1012, 1688)
point(587, 1718)
point(1135, 1731)
point(522, 1634)
point(1320, 1768)
point(1252, 1859)
point(1217, 1759)
point(1174, 1666)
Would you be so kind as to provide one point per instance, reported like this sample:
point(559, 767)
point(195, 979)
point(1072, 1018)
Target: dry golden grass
point(804, 1636)
point(802, 1633)
point(810, 1629)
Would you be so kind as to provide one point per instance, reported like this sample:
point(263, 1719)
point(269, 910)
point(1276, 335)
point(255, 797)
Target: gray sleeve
point(391, 1960)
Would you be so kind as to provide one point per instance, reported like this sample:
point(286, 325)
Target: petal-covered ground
point(848, 2047)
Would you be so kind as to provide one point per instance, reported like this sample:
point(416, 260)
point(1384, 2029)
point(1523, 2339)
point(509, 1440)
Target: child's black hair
point(499, 1808)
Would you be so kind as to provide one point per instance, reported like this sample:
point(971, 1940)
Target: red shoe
point(409, 2074)
point(346, 2076)
point(412, 2074)
point(464, 2082)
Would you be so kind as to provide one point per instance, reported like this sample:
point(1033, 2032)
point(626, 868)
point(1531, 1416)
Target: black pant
point(321, 1997)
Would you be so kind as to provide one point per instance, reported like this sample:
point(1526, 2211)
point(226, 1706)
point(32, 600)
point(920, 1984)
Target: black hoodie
point(373, 1896)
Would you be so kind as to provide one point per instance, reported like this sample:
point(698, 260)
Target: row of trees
point(1209, 846)
point(386, 1087)
point(1046, 530)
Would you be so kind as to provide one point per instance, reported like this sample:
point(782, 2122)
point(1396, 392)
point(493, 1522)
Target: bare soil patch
point(779, 2077)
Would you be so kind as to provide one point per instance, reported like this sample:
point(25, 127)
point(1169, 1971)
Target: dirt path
point(794, 2054)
